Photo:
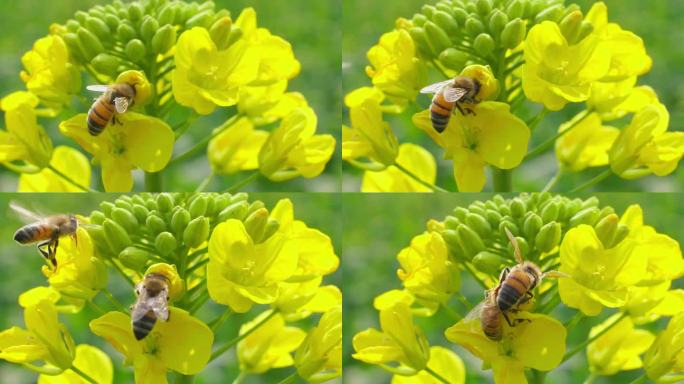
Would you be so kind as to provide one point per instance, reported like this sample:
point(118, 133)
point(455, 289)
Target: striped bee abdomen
point(512, 290)
point(143, 326)
point(32, 233)
point(440, 112)
point(99, 116)
point(491, 323)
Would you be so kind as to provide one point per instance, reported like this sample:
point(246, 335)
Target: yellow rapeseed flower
point(667, 351)
point(241, 273)
point(538, 343)
point(319, 357)
point(619, 348)
point(89, 360)
point(556, 72)
point(24, 139)
point(293, 149)
point(493, 135)
point(648, 303)
point(395, 68)
point(269, 346)
point(68, 161)
point(393, 297)
point(43, 339)
point(644, 147)
point(587, 143)
point(369, 137)
point(613, 100)
point(63, 304)
point(181, 344)
point(237, 148)
point(444, 362)
point(138, 142)
point(49, 74)
point(205, 77)
point(400, 342)
point(412, 157)
point(78, 272)
point(269, 103)
point(425, 269)
point(598, 277)
point(299, 300)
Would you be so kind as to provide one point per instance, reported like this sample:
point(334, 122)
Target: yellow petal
point(90, 360)
point(416, 160)
point(184, 343)
point(21, 346)
point(68, 161)
point(115, 327)
point(539, 343)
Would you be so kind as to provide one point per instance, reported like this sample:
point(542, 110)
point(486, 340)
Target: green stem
point(197, 304)
point(185, 125)
point(541, 148)
point(153, 181)
point(474, 274)
point(418, 179)
point(236, 187)
point(454, 316)
point(116, 303)
point(207, 180)
point(554, 180)
point(289, 379)
point(641, 379)
point(218, 322)
point(591, 378)
point(589, 340)
point(502, 179)
point(70, 180)
point(440, 69)
point(166, 71)
point(184, 379)
point(599, 178)
point(203, 143)
point(122, 273)
point(538, 377)
point(83, 375)
point(236, 340)
point(436, 375)
point(95, 307)
point(570, 324)
point(195, 266)
point(462, 299)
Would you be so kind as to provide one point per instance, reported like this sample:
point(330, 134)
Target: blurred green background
point(657, 22)
point(20, 271)
point(312, 27)
point(377, 227)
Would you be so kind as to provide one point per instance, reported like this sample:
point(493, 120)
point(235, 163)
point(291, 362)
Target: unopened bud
point(507, 224)
point(202, 19)
point(196, 232)
point(166, 15)
point(531, 225)
point(149, 26)
point(497, 22)
point(460, 15)
point(474, 26)
point(97, 217)
point(220, 31)
point(125, 219)
point(134, 258)
point(272, 226)
point(460, 213)
point(586, 28)
point(479, 224)
point(135, 11)
point(255, 206)
point(606, 230)
point(234, 211)
point(179, 220)
point(98, 27)
point(116, 236)
point(515, 9)
point(450, 222)
point(420, 39)
point(89, 43)
point(106, 63)
point(255, 224)
point(446, 22)
point(125, 32)
point(470, 241)
point(550, 212)
point(135, 50)
point(419, 19)
point(488, 262)
point(522, 244)
point(437, 38)
point(518, 207)
point(140, 213)
point(164, 39)
point(570, 26)
point(552, 13)
point(165, 243)
point(587, 216)
point(493, 217)
point(484, 6)
point(112, 22)
point(548, 237)
point(155, 224)
point(198, 206)
point(164, 202)
point(513, 34)
point(483, 44)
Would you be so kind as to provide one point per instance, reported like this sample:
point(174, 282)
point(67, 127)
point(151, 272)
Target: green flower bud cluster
point(120, 36)
point(539, 221)
point(140, 230)
point(457, 33)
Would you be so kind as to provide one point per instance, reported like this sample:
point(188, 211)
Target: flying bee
point(45, 230)
point(115, 99)
point(151, 304)
point(448, 95)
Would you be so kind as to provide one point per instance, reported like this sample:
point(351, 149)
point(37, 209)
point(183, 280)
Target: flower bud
point(167, 14)
point(497, 22)
point(493, 217)
point(202, 19)
point(121, 203)
point(443, 7)
point(89, 43)
point(522, 244)
point(100, 242)
point(479, 224)
point(531, 225)
point(135, 50)
point(106, 63)
point(134, 258)
point(550, 212)
point(272, 227)
point(235, 35)
point(155, 224)
point(220, 31)
point(513, 34)
point(98, 27)
point(570, 26)
point(460, 213)
point(586, 28)
point(71, 40)
point(255, 206)
point(469, 240)
point(125, 219)
point(135, 11)
point(140, 213)
point(474, 26)
point(606, 229)
point(97, 217)
point(506, 223)
point(81, 17)
point(587, 216)
point(428, 10)
point(483, 44)
point(460, 15)
point(515, 9)
point(196, 232)
point(164, 202)
point(179, 220)
point(165, 243)
point(164, 39)
point(620, 234)
point(116, 236)
point(552, 13)
point(72, 25)
point(436, 37)
point(255, 224)
point(198, 206)
point(148, 28)
point(446, 22)
point(451, 222)
point(484, 6)
point(125, 32)
point(605, 211)
point(454, 59)
point(548, 237)
point(112, 22)
point(234, 211)
point(518, 207)
point(420, 39)
point(488, 262)
point(419, 19)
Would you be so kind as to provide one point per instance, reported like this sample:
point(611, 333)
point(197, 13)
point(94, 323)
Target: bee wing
point(98, 88)
point(475, 312)
point(436, 87)
point(25, 214)
point(121, 104)
point(139, 310)
point(453, 95)
point(160, 305)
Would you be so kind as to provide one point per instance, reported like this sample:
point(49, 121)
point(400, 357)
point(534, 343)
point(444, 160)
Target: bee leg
point(526, 298)
point(507, 319)
point(460, 109)
point(470, 111)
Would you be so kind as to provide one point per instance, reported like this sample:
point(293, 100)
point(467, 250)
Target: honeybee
point(115, 99)
point(45, 230)
point(448, 94)
point(151, 304)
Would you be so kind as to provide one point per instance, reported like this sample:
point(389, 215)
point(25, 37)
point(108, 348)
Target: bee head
point(533, 270)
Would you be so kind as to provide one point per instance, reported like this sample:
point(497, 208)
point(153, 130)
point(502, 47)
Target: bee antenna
point(516, 248)
point(555, 274)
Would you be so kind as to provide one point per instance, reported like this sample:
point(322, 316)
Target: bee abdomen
point(142, 327)
point(31, 233)
point(439, 122)
point(508, 297)
point(98, 117)
point(440, 112)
